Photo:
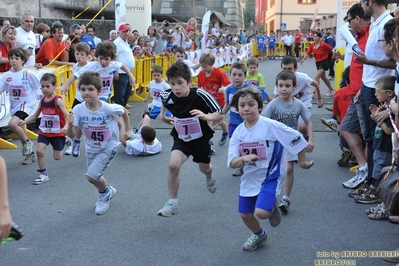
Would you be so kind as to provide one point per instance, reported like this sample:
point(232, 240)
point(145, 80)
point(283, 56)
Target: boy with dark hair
point(192, 109)
point(287, 110)
point(98, 121)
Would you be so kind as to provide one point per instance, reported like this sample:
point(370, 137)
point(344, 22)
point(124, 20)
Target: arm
point(64, 88)
point(226, 108)
point(167, 120)
point(240, 161)
point(61, 106)
point(309, 129)
point(389, 64)
point(270, 98)
point(132, 80)
point(318, 93)
point(302, 160)
point(122, 136)
point(5, 216)
point(148, 95)
point(387, 130)
point(71, 131)
point(216, 116)
point(127, 134)
point(32, 117)
point(304, 58)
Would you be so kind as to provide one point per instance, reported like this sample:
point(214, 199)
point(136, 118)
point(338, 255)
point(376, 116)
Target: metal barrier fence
point(279, 50)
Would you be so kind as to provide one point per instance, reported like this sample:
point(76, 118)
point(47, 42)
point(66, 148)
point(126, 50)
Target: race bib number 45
point(188, 128)
point(98, 133)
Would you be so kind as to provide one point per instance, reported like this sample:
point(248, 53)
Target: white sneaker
point(254, 242)
point(69, 150)
point(27, 148)
point(330, 93)
point(104, 199)
point(211, 184)
point(29, 159)
point(41, 179)
point(359, 178)
point(168, 210)
point(330, 123)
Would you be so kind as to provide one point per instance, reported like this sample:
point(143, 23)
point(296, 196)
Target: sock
point(77, 140)
point(225, 133)
point(42, 171)
point(287, 198)
point(262, 232)
point(174, 201)
point(27, 140)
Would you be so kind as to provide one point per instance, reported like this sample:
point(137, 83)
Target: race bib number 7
point(188, 128)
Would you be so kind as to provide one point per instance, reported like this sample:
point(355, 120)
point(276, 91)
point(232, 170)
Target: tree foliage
point(249, 12)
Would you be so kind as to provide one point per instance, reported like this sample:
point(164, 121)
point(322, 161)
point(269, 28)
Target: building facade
point(299, 14)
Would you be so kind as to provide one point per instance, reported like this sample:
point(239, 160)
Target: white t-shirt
point(374, 51)
point(106, 73)
point(27, 41)
point(155, 91)
point(100, 128)
point(270, 140)
point(303, 91)
point(136, 146)
point(348, 56)
point(22, 89)
point(287, 39)
point(124, 54)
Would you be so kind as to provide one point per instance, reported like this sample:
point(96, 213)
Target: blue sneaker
point(212, 146)
point(223, 139)
point(254, 241)
point(76, 148)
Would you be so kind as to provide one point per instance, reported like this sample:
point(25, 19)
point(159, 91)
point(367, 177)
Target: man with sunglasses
point(26, 39)
point(376, 65)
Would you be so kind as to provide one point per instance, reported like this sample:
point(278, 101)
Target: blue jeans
point(122, 89)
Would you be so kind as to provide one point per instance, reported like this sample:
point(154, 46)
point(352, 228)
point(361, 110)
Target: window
point(271, 25)
point(307, 1)
point(272, 3)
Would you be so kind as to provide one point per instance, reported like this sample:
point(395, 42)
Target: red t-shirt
point(298, 37)
point(4, 53)
point(320, 53)
point(213, 83)
point(49, 50)
point(342, 100)
point(356, 68)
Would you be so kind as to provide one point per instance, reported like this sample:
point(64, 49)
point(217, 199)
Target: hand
point(38, 65)
point(63, 90)
point(250, 158)
point(145, 100)
point(67, 44)
point(302, 61)
point(308, 165)
point(116, 76)
point(132, 80)
point(362, 58)
point(70, 118)
point(21, 122)
point(5, 224)
point(170, 120)
point(337, 55)
point(222, 89)
point(310, 147)
point(380, 116)
point(198, 114)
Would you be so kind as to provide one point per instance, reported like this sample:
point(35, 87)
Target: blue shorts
point(156, 111)
point(271, 47)
point(261, 48)
point(97, 162)
point(58, 143)
point(264, 200)
point(232, 127)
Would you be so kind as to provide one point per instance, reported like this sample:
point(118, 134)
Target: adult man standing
point(122, 86)
point(162, 38)
point(376, 65)
point(85, 37)
point(298, 38)
point(26, 39)
point(330, 40)
point(287, 40)
point(92, 32)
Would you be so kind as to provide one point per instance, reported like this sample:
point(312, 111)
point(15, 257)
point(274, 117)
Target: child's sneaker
point(211, 184)
point(76, 148)
point(103, 200)
point(212, 146)
point(169, 209)
point(27, 148)
point(69, 150)
point(254, 241)
point(223, 139)
point(238, 172)
point(284, 205)
point(29, 159)
point(275, 219)
point(41, 179)
point(148, 109)
point(330, 93)
point(344, 161)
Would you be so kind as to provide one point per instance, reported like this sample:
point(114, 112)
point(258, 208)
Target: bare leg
point(177, 158)
point(101, 185)
point(251, 222)
point(356, 146)
point(289, 180)
point(20, 131)
point(41, 147)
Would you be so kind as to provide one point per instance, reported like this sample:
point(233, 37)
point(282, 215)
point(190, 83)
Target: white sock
point(174, 201)
point(286, 198)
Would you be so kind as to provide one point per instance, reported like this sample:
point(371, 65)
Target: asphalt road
point(61, 228)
